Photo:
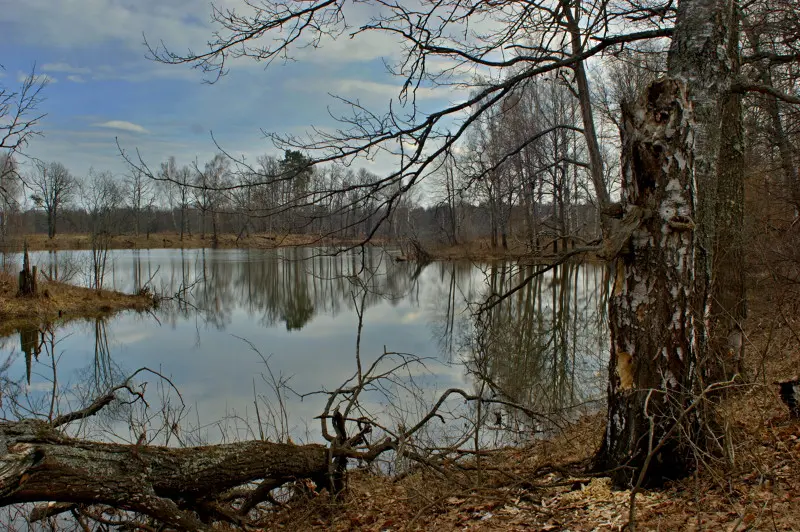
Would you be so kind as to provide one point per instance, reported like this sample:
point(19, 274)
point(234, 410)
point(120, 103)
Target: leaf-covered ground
point(541, 488)
point(751, 483)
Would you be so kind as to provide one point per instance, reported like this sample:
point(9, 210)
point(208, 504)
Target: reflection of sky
point(214, 370)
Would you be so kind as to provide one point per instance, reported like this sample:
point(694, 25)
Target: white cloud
point(65, 67)
point(182, 24)
point(122, 125)
point(76, 78)
point(353, 89)
point(40, 78)
point(77, 23)
point(140, 72)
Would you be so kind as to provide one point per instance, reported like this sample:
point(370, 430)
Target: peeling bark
point(705, 54)
point(38, 463)
point(650, 311)
point(678, 299)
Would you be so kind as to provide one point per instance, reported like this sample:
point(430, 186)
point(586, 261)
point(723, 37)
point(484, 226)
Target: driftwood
point(183, 488)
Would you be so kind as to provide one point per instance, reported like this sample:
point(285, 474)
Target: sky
point(101, 86)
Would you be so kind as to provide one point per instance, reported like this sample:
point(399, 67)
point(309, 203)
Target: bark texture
point(704, 54)
point(678, 298)
point(653, 346)
point(174, 486)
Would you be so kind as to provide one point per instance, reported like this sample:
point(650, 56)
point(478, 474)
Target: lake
point(226, 312)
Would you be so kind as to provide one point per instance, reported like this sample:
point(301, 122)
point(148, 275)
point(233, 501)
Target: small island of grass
point(61, 301)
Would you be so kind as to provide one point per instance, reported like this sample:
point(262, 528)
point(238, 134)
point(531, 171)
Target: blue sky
point(102, 86)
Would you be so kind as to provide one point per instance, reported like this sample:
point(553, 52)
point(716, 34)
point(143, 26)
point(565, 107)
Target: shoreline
point(62, 302)
point(82, 241)
point(479, 250)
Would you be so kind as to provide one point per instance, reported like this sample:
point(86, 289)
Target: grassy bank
point(40, 242)
point(61, 302)
point(479, 249)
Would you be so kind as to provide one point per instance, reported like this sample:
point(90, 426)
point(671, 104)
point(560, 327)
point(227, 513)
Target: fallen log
point(38, 463)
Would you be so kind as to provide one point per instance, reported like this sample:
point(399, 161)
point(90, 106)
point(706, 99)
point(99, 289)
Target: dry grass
point(544, 487)
point(60, 301)
point(479, 250)
point(501, 492)
point(172, 240)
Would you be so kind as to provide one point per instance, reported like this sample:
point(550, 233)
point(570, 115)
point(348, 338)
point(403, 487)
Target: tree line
point(290, 195)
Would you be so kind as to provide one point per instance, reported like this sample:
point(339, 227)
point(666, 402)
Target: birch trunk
point(678, 249)
point(653, 345)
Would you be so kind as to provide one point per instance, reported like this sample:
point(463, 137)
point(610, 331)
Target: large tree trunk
point(38, 463)
point(653, 346)
point(704, 53)
point(727, 300)
point(682, 194)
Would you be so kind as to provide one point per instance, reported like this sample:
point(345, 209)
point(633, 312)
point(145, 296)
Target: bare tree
point(19, 120)
point(53, 188)
point(19, 116)
point(101, 196)
point(177, 183)
point(675, 239)
point(10, 191)
point(139, 191)
point(210, 191)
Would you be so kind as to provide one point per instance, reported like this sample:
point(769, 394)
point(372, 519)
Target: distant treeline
point(427, 224)
point(293, 196)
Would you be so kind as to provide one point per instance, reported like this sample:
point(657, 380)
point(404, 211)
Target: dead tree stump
point(27, 277)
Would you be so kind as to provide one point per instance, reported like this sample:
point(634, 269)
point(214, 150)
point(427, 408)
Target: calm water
point(544, 347)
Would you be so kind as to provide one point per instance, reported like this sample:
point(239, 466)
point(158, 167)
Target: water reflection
point(288, 286)
point(31, 346)
point(544, 347)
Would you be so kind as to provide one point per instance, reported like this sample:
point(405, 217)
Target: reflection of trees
point(453, 292)
point(30, 344)
point(289, 285)
point(543, 347)
point(103, 367)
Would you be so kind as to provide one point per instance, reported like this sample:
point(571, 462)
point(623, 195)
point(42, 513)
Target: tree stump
point(27, 277)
